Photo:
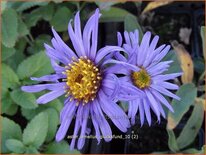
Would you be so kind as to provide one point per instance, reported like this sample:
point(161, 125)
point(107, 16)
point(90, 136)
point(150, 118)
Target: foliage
point(25, 30)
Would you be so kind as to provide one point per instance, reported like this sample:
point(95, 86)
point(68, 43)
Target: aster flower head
point(81, 76)
point(149, 77)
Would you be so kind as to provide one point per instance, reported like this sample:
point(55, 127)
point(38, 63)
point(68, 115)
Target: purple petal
point(147, 111)
point(162, 100)
point(141, 111)
point(68, 52)
point(94, 36)
point(133, 107)
point(119, 39)
point(76, 42)
point(106, 50)
point(40, 87)
point(127, 38)
point(50, 96)
point(167, 76)
point(164, 91)
point(85, 116)
point(67, 118)
point(52, 78)
point(115, 113)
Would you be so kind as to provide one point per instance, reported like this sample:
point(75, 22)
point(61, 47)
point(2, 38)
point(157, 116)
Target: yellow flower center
point(141, 79)
point(83, 80)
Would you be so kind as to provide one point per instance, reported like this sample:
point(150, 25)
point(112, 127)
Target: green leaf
point(3, 6)
point(105, 5)
point(35, 132)
point(192, 126)
point(199, 65)
point(35, 65)
point(175, 65)
point(192, 151)
point(9, 27)
point(124, 105)
point(131, 23)
point(60, 148)
point(172, 143)
point(53, 123)
point(8, 132)
point(203, 40)
point(7, 52)
point(25, 100)
point(56, 104)
point(38, 44)
point(60, 22)
point(187, 93)
point(31, 150)
point(8, 106)
point(9, 77)
point(22, 28)
point(15, 146)
point(113, 15)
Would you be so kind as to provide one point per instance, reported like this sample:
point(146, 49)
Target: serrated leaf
point(31, 150)
point(22, 28)
point(7, 52)
point(9, 27)
point(60, 148)
point(131, 24)
point(25, 100)
point(192, 126)
point(172, 143)
point(9, 77)
point(35, 65)
point(187, 94)
point(60, 22)
point(53, 123)
point(8, 106)
point(113, 15)
point(8, 132)
point(15, 146)
point(35, 132)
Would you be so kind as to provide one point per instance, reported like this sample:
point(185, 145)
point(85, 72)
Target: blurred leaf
point(60, 148)
point(15, 146)
point(8, 132)
point(131, 24)
point(35, 65)
point(172, 143)
point(124, 105)
point(192, 127)
point(21, 6)
point(25, 100)
point(19, 55)
point(38, 44)
point(9, 27)
point(175, 66)
point(53, 118)
point(187, 94)
point(35, 132)
point(32, 18)
point(192, 151)
point(31, 150)
point(7, 52)
point(199, 65)
point(60, 22)
point(47, 12)
point(185, 61)
point(8, 106)
point(184, 35)
point(3, 6)
point(203, 40)
point(9, 77)
point(153, 5)
point(22, 28)
point(113, 15)
point(105, 5)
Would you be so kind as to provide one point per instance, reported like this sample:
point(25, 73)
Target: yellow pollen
point(83, 80)
point(141, 79)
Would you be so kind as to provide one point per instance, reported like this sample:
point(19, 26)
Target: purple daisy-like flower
point(149, 78)
point(90, 89)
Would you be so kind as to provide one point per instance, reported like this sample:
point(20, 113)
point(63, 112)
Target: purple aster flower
point(91, 91)
point(149, 78)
